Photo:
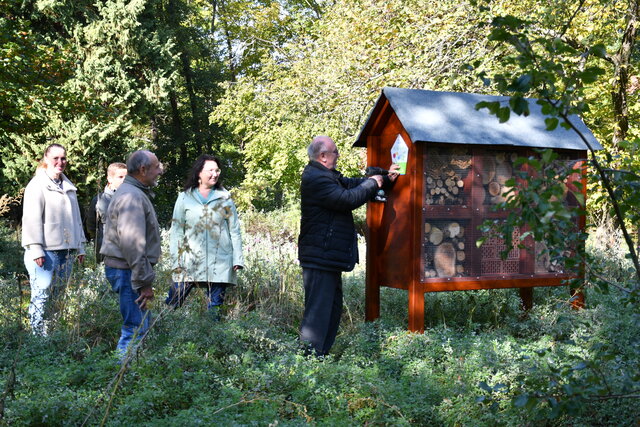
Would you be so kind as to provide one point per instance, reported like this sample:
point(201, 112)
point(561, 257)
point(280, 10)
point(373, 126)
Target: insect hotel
point(457, 163)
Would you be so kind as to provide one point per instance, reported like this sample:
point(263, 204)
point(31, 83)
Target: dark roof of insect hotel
point(451, 117)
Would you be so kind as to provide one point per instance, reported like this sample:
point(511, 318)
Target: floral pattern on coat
point(205, 238)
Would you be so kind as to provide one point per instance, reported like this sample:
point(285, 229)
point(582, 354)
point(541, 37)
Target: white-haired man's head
point(323, 150)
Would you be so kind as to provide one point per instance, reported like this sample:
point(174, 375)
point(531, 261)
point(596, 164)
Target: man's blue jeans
point(135, 322)
point(47, 285)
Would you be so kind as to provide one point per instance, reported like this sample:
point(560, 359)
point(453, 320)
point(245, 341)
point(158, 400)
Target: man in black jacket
point(327, 244)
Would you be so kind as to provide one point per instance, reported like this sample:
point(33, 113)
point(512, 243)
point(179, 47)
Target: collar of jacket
point(108, 191)
point(41, 174)
point(318, 165)
point(218, 193)
point(103, 200)
point(132, 181)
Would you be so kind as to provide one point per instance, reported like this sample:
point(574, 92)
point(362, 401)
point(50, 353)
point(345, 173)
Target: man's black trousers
point(322, 308)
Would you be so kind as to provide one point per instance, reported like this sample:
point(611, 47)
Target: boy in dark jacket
point(97, 211)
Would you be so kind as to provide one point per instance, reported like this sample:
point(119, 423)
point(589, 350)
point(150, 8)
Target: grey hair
point(316, 147)
point(138, 159)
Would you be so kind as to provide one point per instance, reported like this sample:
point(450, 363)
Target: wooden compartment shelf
point(461, 165)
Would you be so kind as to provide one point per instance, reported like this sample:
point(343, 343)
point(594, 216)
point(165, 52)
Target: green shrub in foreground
point(479, 355)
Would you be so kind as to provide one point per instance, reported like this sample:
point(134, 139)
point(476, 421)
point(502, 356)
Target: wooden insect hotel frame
point(458, 163)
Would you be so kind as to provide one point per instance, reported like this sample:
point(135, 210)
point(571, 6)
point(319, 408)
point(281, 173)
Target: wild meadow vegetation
point(252, 81)
point(481, 361)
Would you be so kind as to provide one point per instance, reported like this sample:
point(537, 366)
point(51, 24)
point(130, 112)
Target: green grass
point(478, 357)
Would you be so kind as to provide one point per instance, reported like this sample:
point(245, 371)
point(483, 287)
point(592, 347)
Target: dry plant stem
point(125, 362)
point(301, 408)
point(11, 380)
point(611, 283)
point(115, 382)
point(9, 386)
point(383, 403)
point(633, 395)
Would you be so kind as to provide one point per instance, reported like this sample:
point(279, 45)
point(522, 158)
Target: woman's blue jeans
point(47, 285)
point(135, 322)
point(179, 291)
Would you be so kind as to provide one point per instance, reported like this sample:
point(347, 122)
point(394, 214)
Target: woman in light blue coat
point(205, 239)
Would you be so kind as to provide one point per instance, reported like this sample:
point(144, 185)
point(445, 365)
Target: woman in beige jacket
point(51, 234)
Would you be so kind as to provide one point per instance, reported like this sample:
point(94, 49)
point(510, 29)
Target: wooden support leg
point(416, 307)
point(372, 300)
point(372, 282)
point(526, 295)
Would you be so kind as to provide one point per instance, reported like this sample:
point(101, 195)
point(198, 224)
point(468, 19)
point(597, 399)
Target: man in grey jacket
point(131, 245)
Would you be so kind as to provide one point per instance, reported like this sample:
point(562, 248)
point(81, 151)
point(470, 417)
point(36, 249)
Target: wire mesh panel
point(569, 170)
point(544, 262)
point(444, 248)
point(497, 168)
point(445, 173)
point(464, 186)
point(566, 173)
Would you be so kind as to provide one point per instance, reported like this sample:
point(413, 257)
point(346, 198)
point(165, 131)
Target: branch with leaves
point(546, 67)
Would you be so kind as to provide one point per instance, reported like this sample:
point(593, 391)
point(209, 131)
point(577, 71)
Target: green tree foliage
point(562, 71)
point(557, 72)
point(85, 75)
point(109, 77)
point(325, 79)
point(215, 41)
point(34, 65)
point(585, 65)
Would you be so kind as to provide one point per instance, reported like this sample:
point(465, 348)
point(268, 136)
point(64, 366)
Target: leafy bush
point(481, 361)
point(11, 260)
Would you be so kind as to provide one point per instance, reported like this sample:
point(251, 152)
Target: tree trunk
point(193, 102)
point(177, 130)
point(229, 43)
point(622, 62)
point(214, 11)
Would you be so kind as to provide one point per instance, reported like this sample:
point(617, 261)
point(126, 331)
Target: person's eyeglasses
point(334, 152)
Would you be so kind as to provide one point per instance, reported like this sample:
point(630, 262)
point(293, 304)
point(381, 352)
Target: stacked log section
point(569, 183)
point(444, 260)
point(497, 170)
point(445, 254)
point(544, 263)
point(445, 173)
